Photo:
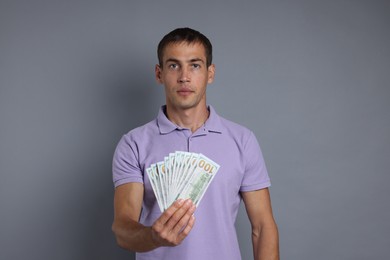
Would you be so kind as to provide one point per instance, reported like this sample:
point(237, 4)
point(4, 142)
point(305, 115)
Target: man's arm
point(265, 236)
point(168, 230)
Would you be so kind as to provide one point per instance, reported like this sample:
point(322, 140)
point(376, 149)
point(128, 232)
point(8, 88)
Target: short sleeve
point(125, 165)
point(256, 175)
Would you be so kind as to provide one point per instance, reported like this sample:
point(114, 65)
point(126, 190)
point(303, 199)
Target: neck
point(192, 118)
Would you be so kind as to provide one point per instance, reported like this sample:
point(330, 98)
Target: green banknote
point(181, 175)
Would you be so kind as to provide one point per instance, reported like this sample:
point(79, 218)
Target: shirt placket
point(191, 140)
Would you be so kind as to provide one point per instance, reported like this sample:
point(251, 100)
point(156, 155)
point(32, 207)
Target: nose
point(184, 75)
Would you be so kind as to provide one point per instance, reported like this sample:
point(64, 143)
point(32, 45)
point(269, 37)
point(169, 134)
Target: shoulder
point(139, 135)
point(131, 142)
point(236, 131)
point(142, 131)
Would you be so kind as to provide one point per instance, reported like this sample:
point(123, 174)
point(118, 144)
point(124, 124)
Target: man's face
point(185, 75)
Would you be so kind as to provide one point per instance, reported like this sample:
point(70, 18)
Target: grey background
point(310, 78)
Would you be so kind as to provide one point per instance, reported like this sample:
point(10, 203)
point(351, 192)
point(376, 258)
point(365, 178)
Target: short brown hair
point(185, 35)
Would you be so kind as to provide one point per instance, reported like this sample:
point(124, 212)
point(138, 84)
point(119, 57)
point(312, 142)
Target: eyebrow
point(197, 60)
point(190, 61)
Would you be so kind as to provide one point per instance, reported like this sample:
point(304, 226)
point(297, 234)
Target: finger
point(184, 220)
point(177, 216)
point(167, 214)
point(187, 229)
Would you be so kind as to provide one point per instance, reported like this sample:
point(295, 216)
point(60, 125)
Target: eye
point(195, 66)
point(173, 66)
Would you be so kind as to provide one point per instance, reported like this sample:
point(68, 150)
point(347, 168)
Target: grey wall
point(310, 78)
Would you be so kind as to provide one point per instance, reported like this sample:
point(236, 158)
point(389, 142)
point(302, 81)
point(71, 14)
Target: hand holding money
point(182, 175)
point(174, 224)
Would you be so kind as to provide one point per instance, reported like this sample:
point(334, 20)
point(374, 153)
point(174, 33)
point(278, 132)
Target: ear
point(158, 71)
point(211, 73)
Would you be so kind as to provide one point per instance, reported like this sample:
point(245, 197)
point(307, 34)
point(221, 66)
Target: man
point(186, 123)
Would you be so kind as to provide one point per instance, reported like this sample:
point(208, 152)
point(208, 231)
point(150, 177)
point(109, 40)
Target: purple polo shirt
point(232, 146)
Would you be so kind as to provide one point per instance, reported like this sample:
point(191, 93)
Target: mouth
point(184, 91)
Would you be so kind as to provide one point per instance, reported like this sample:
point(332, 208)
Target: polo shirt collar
point(164, 125)
point(212, 124)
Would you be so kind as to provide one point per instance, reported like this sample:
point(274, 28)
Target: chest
point(220, 148)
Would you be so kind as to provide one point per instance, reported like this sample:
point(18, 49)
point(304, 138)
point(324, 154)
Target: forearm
point(169, 229)
point(133, 236)
point(265, 241)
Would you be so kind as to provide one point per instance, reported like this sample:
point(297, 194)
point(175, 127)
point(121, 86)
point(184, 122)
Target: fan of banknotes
point(182, 175)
